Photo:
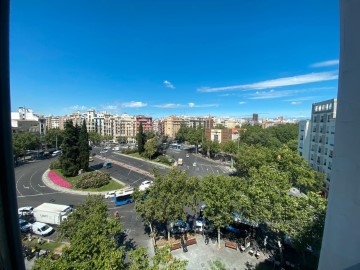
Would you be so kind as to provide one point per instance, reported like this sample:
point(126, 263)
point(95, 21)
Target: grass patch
point(154, 159)
point(113, 185)
point(52, 245)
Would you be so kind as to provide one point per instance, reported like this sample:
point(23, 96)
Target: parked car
point(187, 155)
point(104, 151)
point(56, 153)
point(144, 185)
point(41, 228)
point(107, 165)
point(91, 159)
point(25, 226)
point(194, 164)
point(110, 194)
point(116, 148)
point(202, 224)
point(179, 227)
point(26, 211)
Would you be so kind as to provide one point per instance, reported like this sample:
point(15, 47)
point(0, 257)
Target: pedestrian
point(116, 215)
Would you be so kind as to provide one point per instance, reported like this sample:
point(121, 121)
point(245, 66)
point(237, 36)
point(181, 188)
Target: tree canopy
point(69, 159)
point(141, 139)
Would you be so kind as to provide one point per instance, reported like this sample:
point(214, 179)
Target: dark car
point(25, 226)
point(179, 227)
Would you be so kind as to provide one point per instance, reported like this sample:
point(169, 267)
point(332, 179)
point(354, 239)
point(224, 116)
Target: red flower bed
point(58, 180)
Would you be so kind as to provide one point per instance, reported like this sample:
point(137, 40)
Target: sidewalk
point(50, 184)
point(200, 256)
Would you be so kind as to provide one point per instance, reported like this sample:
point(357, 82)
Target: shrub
point(129, 151)
point(55, 165)
point(165, 159)
point(93, 180)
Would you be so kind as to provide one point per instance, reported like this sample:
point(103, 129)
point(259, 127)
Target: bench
point(175, 246)
point(191, 241)
point(232, 245)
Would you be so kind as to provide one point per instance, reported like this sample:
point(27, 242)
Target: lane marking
point(26, 187)
point(41, 186)
point(42, 194)
point(129, 172)
point(17, 181)
point(31, 183)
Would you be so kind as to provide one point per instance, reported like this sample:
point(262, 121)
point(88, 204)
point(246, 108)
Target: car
point(56, 153)
point(179, 227)
point(202, 224)
point(194, 164)
point(116, 148)
point(107, 165)
point(110, 194)
point(187, 155)
point(104, 151)
point(144, 185)
point(26, 211)
point(41, 228)
point(91, 159)
point(25, 226)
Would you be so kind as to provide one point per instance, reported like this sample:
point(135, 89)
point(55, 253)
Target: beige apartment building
point(171, 126)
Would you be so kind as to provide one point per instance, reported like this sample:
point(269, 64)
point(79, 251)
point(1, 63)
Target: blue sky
point(159, 58)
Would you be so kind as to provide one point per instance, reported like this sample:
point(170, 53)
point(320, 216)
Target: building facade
point(171, 125)
point(218, 135)
point(316, 137)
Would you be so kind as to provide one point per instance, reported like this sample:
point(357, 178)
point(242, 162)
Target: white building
point(25, 120)
point(316, 137)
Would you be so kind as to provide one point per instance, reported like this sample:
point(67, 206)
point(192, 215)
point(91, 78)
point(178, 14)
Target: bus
point(124, 196)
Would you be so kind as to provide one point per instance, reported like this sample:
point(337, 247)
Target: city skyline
point(206, 58)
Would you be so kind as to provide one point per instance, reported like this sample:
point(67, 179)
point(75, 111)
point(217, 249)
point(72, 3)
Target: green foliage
point(285, 132)
point(229, 147)
point(54, 134)
point(218, 193)
point(93, 240)
point(210, 148)
point(84, 147)
point(217, 264)
point(219, 126)
point(55, 165)
point(191, 135)
point(164, 159)
point(94, 137)
point(150, 148)
point(94, 179)
point(69, 158)
point(23, 141)
point(141, 139)
point(129, 151)
point(181, 135)
point(122, 140)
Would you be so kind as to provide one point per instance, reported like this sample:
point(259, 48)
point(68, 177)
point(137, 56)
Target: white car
point(194, 164)
point(144, 185)
point(110, 194)
point(187, 155)
point(41, 228)
point(103, 151)
point(26, 211)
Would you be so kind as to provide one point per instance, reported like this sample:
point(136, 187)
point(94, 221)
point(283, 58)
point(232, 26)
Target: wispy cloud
point(272, 94)
point(168, 106)
point(188, 105)
point(286, 81)
point(76, 108)
point(134, 104)
point(168, 84)
point(304, 98)
point(325, 63)
point(242, 102)
point(296, 102)
point(111, 107)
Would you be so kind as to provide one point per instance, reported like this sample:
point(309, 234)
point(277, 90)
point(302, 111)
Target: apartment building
point(26, 120)
point(218, 135)
point(171, 125)
point(316, 137)
point(124, 127)
point(146, 121)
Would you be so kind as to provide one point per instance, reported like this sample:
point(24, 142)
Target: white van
point(41, 228)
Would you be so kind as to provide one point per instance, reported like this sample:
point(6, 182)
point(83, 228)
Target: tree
point(140, 139)
point(285, 132)
point(93, 238)
point(54, 137)
point(70, 150)
point(94, 137)
point(122, 140)
point(150, 147)
point(23, 141)
point(181, 135)
point(220, 198)
point(149, 134)
point(219, 126)
point(84, 147)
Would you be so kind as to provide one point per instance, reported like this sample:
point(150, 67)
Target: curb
point(148, 161)
point(46, 180)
